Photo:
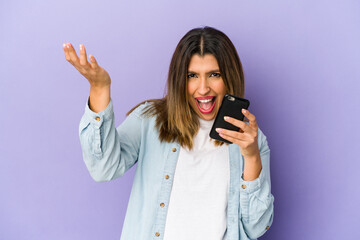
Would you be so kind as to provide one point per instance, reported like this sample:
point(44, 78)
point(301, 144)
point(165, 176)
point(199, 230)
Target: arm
point(256, 200)
point(109, 152)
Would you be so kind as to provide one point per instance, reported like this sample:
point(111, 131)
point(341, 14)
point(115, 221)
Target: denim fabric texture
point(109, 151)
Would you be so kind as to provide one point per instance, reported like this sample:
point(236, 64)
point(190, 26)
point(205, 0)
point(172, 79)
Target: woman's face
point(205, 86)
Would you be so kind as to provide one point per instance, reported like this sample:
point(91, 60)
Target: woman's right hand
point(98, 78)
point(96, 75)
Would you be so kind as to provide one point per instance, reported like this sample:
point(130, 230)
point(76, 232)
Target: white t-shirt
point(198, 201)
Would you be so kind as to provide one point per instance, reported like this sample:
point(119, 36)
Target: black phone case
point(231, 106)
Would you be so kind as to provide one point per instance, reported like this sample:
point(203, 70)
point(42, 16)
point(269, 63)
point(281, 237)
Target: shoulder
point(140, 110)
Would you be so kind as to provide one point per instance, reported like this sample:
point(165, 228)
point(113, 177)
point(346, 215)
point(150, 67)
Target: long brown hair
point(175, 119)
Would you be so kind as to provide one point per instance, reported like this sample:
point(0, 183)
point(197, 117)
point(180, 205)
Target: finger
point(251, 117)
point(232, 139)
point(73, 56)
point(83, 58)
point(66, 51)
point(232, 134)
point(93, 62)
point(242, 125)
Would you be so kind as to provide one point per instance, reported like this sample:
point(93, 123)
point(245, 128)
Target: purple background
point(302, 67)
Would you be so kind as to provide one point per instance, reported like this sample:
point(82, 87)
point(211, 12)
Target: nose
point(204, 87)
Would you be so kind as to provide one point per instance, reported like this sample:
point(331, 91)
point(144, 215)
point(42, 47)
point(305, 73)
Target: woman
point(186, 186)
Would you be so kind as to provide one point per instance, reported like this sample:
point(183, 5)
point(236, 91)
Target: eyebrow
point(216, 70)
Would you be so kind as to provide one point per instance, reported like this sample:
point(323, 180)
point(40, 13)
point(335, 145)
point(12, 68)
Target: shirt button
point(162, 204)
point(267, 228)
point(97, 119)
point(174, 149)
point(166, 176)
point(243, 186)
point(157, 234)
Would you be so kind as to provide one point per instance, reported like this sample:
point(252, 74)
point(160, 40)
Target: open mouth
point(206, 104)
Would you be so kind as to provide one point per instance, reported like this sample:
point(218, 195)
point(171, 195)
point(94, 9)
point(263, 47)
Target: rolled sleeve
point(96, 121)
point(256, 200)
point(109, 152)
point(248, 187)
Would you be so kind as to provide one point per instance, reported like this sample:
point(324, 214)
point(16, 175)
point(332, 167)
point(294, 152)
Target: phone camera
point(231, 98)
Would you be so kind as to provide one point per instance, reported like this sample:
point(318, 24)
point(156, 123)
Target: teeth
point(205, 101)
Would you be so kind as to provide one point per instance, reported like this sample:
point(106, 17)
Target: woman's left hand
point(246, 137)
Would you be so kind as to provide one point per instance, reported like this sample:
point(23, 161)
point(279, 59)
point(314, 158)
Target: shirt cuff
point(251, 186)
point(96, 119)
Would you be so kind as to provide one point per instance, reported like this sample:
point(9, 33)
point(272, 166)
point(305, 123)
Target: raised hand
point(98, 78)
point(96, 75)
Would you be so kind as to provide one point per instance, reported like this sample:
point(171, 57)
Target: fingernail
point(64, 45)
point(226, 118)
point(218, 129)
point(244, 110)
point(68, 45)
point(81, 47)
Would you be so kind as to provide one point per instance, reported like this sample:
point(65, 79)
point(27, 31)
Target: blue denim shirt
point(109, 152)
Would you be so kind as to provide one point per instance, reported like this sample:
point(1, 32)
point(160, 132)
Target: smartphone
point(230, 106)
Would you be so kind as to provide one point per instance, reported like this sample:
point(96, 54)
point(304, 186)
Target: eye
point(215, 74)
point(190, 75)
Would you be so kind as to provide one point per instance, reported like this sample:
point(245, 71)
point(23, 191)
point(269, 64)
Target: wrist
point(99, 98)
point(252, 167)
point(100, 89)
point(252, 158)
